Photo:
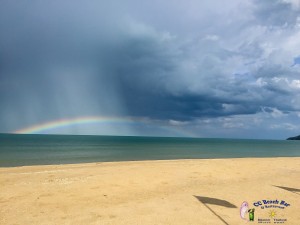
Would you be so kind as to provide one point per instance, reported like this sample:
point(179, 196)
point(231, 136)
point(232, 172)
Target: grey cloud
point(275, 13)
point(296, 60)
point(182, 63)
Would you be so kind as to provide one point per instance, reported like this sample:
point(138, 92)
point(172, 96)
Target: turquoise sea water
point(20, 150)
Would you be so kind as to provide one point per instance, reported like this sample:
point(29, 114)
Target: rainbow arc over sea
point(61, 123)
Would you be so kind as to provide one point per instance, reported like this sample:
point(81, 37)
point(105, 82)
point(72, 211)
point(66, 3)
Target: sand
point(150, 192)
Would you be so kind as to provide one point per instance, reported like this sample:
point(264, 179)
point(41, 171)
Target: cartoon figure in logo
point(251, 214)
point(244, 210)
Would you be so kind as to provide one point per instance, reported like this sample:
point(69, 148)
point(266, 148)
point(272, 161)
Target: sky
point(158, 68)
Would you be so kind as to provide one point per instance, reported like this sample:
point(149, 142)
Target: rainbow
point(48, 126)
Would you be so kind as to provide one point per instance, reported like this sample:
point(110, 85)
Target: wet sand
point(175, 192)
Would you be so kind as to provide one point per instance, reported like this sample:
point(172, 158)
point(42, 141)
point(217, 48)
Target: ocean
point(32, 149)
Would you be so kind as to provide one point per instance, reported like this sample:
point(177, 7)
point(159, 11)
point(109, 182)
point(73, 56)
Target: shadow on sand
point(294, 190)
point(215, 201)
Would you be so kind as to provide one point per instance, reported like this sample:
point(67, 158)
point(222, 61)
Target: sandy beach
point(175, 192)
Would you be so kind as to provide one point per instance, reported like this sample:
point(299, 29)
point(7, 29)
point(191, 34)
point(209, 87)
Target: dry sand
point(149, 192)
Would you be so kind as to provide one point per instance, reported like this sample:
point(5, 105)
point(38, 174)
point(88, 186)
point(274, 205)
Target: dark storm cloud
point(49, 61)
point(182, 62)
point(138, 66)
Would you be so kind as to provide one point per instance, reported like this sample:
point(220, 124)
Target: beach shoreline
point(187, 191)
